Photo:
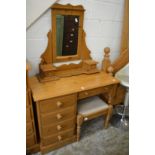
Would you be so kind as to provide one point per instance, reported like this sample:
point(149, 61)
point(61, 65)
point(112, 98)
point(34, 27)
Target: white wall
point(35, 8)
point(102, 24)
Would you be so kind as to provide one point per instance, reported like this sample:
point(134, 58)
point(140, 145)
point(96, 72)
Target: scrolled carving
point(47, 70)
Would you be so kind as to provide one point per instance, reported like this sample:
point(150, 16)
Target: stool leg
point(79, 123)
point(106, 122)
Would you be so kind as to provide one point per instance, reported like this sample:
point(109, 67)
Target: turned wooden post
point(79, 123)
point(106, 60)
point(106, 122)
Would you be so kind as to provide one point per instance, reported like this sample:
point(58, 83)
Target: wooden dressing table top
point(69, 85)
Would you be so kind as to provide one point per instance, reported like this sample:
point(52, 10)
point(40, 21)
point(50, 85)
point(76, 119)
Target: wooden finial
point(106, 51)
point(106, 60)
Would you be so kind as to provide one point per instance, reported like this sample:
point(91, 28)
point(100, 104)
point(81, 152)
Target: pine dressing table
point(56, 103)
point(56, 90)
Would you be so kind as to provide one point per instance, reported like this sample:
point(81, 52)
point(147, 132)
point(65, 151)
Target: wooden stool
point(90, 108)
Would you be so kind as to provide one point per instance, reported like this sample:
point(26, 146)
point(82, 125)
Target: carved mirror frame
point(47, 69)
point(58, 9)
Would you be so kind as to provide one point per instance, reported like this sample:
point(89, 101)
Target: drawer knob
point(59, 138)
point(86, 93)
point(59, 104)
point(59, 116)
point(59, 127)
point(86, 118)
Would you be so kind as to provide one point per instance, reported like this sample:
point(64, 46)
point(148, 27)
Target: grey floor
point(95, 140)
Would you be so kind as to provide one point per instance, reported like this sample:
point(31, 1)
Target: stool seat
point(91, 105)
point(91, 108)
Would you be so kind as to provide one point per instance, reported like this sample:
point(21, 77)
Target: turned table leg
point(79, 123)
point(106, 122)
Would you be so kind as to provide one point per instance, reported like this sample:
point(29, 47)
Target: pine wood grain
point(69, 85)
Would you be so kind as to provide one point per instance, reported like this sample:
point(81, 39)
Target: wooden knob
point(59, 127)
point(82, 88)
point(86, 118)
point(59, 138)
point(59, 104)
point(59, 116)
point(107, 50)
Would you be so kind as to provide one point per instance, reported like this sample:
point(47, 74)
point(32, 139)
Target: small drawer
point(28, 115)
point(30, 140)
point(57, 103)
point(29, 128)
point(58, 138)
point(92, 92)
point(57, 117)
point(59, 127)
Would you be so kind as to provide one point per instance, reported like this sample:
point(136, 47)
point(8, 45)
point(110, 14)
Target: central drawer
point(58, 103)
point(59, 127)
point(55, 117)
point(58, 138)
point(92, 92)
